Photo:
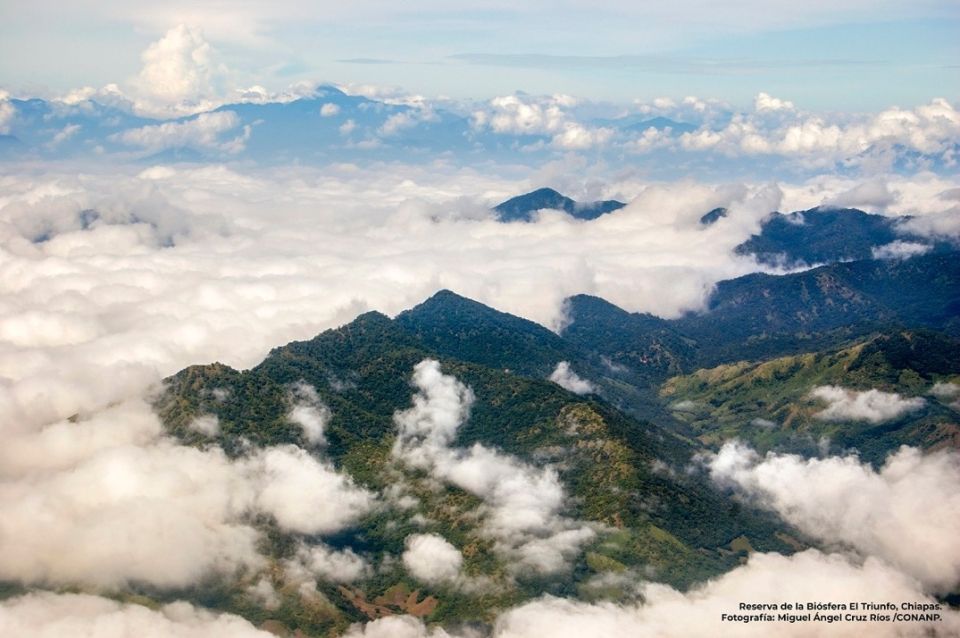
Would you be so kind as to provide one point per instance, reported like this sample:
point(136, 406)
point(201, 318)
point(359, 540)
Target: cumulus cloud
point(164, 514)
point(528, 115)
point(48, 615)
point(396, 627)
point(943, 390)
point(329, 109)
point(327, 564)
point(842, 500)
point(872, 406)
point(180, 75)
point(107, 500)
point(809, 576)
point(766, 102)
point(523, 503)
point(7, 112)
point(201, 132)
point(309, 412)
point(930, 129)
point(900, 250)
point(307, 495)
point(432, 558)
point(564, 376)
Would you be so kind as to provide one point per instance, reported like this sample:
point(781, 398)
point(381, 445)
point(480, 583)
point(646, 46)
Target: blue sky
point(843, 55)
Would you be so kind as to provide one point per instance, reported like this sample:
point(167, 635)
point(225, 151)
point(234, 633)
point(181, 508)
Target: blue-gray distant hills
point(820, 235)
point(522, 207)
point(826, 235)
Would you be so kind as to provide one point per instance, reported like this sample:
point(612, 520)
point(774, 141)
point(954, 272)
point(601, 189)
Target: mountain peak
point(522, 207)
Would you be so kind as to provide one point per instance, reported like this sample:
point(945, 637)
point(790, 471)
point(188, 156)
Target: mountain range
point(618, 407)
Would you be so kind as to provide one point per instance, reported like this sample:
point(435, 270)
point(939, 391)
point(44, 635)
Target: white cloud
point(7, 112)
point(107, 500)
point(842, 500)
point(264, 594)
point(320, 561)
point(397, 627)
point(900, 249)
point(164, 514)
point(431, 558)
point(329, 109)
point(550, 116)
point(307, 495)
point(930, 129)
point(523, 503)
point(309, 412)
point(207, 424)
point(807, 577)
point(873, 406)
point(48, 615)
point(201, 132)
point(64, 134)
point(766, 102)
point(564, 376)
point(193, 264)
point(944, 390)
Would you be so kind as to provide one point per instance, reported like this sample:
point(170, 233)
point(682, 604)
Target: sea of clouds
point(112, 278)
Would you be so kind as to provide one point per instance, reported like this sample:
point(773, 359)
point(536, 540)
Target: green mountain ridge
point(666, 391)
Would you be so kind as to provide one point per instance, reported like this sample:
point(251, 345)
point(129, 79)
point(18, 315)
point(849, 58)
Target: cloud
point(201, 132)
point(870, 195)
point(179, 76)
point(842, 500)
point(320, 561)
point(526, 115)
point(307, 495)
point(522, 503)
point(431, 558)
point(309, 412)
point(160, 514)
point(945, 390)
point(397, 627)
point(806, 577)
point(566, 378)
point(872, 406)
point(107, 500)
point(207, 424)
point(48, 615)
point(766, 102)
point(7, 112)
point(930, 129)
point(329, 109)
point(64, 134)
point(116, 277)
point(900, 250)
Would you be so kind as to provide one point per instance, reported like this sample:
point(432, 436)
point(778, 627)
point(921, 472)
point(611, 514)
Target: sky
point(849, 55)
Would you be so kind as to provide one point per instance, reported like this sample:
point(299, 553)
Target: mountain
point(624, 455)
point(761, 315)
point(625, 479)
point(764, 315)
point(639, 124)
point(713, 216)
point(826, 235)
point(522, 207)
point(770, 403)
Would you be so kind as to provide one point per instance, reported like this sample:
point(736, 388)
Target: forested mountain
point(621, 452)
